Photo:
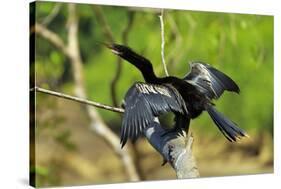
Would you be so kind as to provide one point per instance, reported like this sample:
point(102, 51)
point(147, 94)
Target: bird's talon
point(164, 162)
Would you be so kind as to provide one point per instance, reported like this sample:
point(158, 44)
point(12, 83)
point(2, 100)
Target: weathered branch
point(175, 148)
point(163, 42)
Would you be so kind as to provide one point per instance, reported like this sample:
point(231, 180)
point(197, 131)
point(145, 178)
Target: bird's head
point(128, 54)
point(119, 50)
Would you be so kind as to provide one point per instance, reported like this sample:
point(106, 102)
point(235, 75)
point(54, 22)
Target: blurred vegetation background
point(68, 152)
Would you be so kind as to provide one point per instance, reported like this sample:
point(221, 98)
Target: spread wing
point(144, 102)
point(209, 80)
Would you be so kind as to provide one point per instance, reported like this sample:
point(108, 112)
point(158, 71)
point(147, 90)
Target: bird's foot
point(173, 130)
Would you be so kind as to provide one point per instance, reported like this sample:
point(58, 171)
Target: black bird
point(187, 98)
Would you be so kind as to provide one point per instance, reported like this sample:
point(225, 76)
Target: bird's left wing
point(144, 102)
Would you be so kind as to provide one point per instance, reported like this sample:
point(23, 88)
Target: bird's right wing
point(144, 102)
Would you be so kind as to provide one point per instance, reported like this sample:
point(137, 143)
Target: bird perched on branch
point(187, 98)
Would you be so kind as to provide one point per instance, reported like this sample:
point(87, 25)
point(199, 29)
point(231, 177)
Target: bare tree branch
point(73, 53)
point(162, 26)
point(52, 37)
point(77, 99)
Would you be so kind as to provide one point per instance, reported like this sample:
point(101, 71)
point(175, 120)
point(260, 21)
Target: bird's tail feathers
point(226, 126)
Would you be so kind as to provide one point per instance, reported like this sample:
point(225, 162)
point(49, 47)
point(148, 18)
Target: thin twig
point(116, 77)
point(77, 99)
point(163, 41)
point(48, 19)
point(171, 59)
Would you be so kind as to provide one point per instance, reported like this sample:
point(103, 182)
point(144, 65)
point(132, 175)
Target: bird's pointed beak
point(113, 48)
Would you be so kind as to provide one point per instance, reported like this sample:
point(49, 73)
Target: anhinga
point(186, 97)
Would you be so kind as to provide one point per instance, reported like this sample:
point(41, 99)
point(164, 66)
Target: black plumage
point(144, 102)
point(187, 98)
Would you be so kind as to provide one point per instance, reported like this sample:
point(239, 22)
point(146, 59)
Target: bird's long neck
point(147, 72)
point(142, 64)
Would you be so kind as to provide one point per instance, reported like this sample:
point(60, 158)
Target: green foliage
point(238, 44)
